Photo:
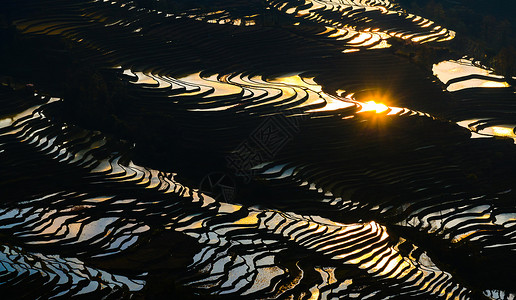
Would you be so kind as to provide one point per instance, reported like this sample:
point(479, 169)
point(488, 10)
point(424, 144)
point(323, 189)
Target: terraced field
point(249, 149)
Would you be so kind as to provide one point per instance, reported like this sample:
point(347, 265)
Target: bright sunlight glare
point(373, 106)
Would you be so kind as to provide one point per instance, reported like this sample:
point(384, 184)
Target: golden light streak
point(251, 219)
point(503, 131)
point(373, 106)
point(296, 80)
point(494, 84)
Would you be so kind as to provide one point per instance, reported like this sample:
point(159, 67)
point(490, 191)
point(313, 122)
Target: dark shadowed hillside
point(487, 29)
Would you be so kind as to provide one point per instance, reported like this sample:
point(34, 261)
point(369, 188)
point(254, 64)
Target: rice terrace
point(258, 149)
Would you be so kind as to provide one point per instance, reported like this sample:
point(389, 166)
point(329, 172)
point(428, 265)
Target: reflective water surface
point(272, 150)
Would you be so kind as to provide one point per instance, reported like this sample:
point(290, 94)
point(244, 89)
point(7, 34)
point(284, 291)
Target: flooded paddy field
point(264, 149)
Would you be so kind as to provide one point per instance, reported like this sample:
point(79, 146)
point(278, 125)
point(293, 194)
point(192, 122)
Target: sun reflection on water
point(373, 106)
